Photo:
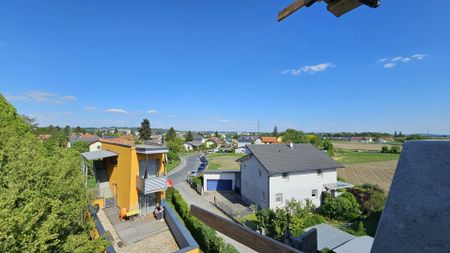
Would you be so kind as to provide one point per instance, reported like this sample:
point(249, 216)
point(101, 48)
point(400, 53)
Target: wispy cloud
point(224, 121)
point(389, 65)
point(90, 108)
point(152, 111)
point(309, 69)
point(40, 96)
point(172, 116)
point(116, 110)
point(392, 62)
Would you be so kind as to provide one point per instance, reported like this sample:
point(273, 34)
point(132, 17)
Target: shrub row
point(205, 236)
point(393, 149)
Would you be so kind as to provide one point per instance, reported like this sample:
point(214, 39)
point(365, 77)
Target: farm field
point(226, 161)
point(351, 157)
point(359, 146)
point(380, 173)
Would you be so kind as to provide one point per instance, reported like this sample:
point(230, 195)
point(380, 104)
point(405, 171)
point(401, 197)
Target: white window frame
point(314, 193)
point(279, 198)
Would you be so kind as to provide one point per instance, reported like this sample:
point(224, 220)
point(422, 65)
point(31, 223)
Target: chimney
point(291, 145)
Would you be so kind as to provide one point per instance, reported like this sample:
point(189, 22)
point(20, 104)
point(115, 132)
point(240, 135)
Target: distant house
point(88, 138)
point(192, 145)
point(362, 139)
point(338, 241)
point(211, 141)
point(157, 138)
point(243, 141)
point(198, 138)
point(274, 174)
point(385, 139)
point(269, 140)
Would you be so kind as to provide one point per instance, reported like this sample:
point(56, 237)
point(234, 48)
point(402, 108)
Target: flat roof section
point(96, 155)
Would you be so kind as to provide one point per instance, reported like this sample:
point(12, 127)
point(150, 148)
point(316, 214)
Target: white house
point(274, 174)
point(243, 141)
point(95, 145)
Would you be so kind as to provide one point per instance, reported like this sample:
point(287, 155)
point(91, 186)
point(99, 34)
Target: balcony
point(151, 185)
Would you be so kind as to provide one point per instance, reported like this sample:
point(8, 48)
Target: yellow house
point(130, 176)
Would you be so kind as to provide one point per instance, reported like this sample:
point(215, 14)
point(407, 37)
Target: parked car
point(201, 167)
point(205, 162)
point(203, 159)
point(193, 173)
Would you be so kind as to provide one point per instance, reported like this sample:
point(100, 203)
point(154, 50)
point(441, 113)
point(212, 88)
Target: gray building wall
point(255, 183)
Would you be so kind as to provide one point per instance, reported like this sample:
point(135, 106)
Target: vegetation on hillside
point(43, 201)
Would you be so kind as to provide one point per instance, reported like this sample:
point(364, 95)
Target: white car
point(193, 173)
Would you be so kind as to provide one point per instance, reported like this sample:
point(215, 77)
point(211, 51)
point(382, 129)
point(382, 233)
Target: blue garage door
point(219, 185)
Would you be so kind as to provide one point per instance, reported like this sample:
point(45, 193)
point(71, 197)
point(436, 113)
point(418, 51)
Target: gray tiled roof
point(330, 237)
point(247, 138)
point(280, 158)
point(361, 244)
point(416, 217)
point(100, 154)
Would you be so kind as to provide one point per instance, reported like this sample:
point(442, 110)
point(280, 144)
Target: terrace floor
point(146, 234)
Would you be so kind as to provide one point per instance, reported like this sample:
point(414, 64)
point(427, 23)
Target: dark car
point(201, 167)
point(202, 159)
point(205, 162)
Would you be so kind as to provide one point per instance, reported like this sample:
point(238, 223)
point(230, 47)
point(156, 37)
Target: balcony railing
point(151, 185)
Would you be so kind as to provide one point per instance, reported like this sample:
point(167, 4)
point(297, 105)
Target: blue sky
point(224, 65)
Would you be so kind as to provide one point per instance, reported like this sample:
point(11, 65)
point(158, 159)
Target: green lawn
point(349, 157)
point(250, 221)
point(236, 156)
point(172, 165)
point(213, 166)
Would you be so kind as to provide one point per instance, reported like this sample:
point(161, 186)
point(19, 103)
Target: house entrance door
point(147, 203)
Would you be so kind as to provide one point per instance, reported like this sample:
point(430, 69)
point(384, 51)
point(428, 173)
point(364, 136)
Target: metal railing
point(151, 185)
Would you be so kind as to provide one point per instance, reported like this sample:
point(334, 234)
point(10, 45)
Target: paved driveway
point(192, 197)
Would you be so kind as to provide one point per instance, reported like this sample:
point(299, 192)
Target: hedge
point(205, 236)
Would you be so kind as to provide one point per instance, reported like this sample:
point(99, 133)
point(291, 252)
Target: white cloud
point(41, 96)
point(419, 56)
point(309, 69)
point(389, 65)
point(90, 108)
point(116, 110)
point(152, 111)
point(224, 121)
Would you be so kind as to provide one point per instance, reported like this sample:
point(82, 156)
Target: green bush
point(197, 181)
point(370, 197)
point(205, 236)
point(344, 207)
point(385, 149)
point(395, 149)
point(312, 220)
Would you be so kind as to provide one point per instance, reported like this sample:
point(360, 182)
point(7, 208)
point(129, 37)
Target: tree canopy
point(145, 132)
point(171, 135)
point(294, 136)
point(42, 196)
point(189, 136)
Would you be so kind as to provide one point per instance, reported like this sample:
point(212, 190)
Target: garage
point(219, 185)
point(219, 180)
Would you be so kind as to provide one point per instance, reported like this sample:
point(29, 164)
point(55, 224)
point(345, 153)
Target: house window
point(259, 172)
point(285, 176)
point(319, 173)
point(314, 193)
point(263, 195)
point(279, 198)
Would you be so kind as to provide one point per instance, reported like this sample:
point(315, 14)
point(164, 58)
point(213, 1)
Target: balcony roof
point(96, 155)
point(151, 149)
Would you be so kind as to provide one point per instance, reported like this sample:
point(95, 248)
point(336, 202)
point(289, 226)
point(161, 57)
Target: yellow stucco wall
point(122, 176)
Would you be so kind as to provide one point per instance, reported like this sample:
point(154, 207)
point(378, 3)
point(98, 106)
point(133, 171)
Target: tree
point(116, 131)
point(81, 146)
point(67, 130)
point(145, 132)
point(345, 207)
point(171, 135)
point(216, 134)
point(294, 136)
point(189, 136)
point(78, 129)
point(327, 145)
point(275, 131)
point(31, 122)
point(370, 197)
point(42, 194)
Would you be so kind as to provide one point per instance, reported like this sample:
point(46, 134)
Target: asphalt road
point(178, 176)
